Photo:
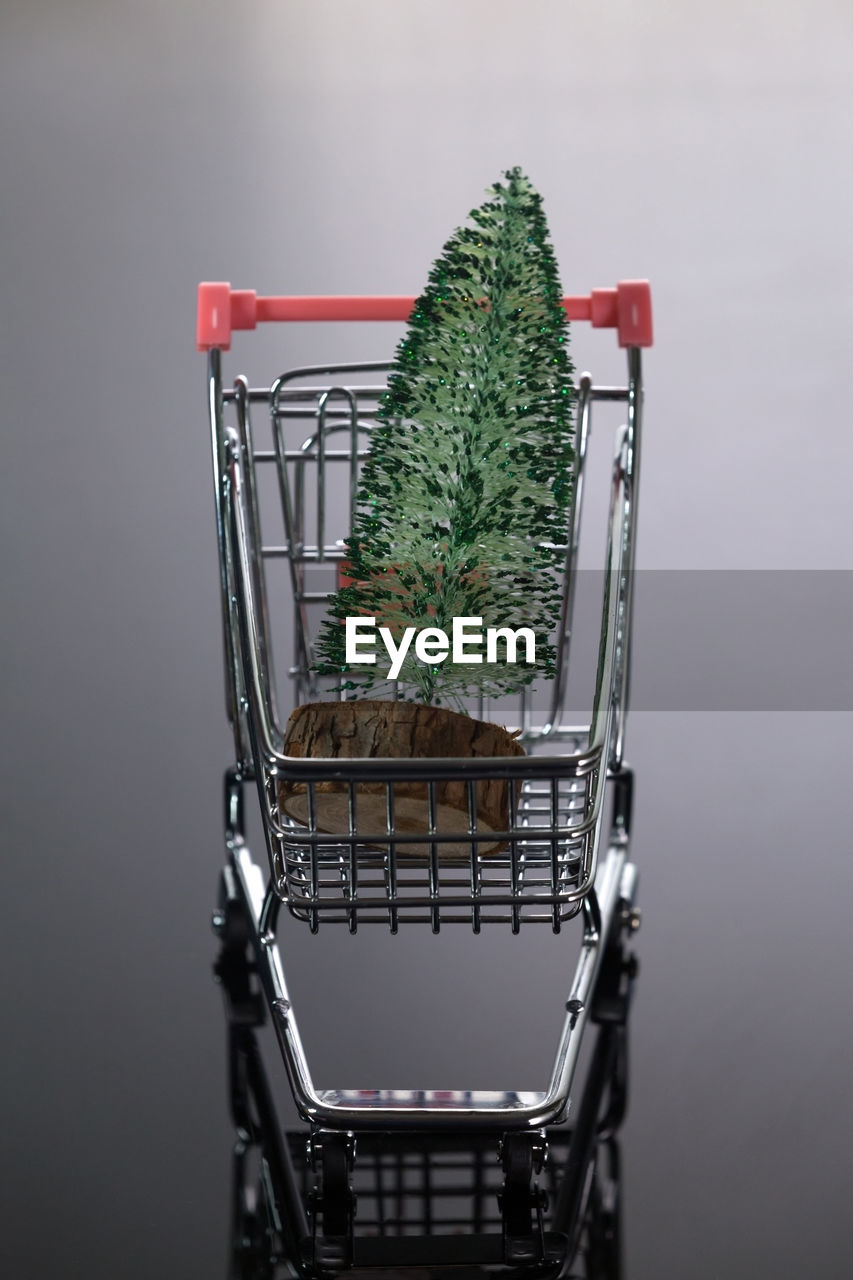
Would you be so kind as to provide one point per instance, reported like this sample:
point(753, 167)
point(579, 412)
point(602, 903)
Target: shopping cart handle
point(221, 310)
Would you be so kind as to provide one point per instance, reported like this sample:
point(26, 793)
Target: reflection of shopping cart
point(285, 505)
point(427, 1198)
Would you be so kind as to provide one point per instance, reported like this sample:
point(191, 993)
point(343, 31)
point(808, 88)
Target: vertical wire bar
point(220, 469)
point(433, 859)
point(584, 420)
point(302, 646)
point(353, 859)
point(353, 459)
point(427, 1192)
point(514, 863)
point(478, 1190)
point(391, 865)
point(321, 476)
point(257, 564)
point(380, 1194)
point(632, 469)
point(296, 550)
point(559, 829)
point(555, 855)
point(401, 1192)
point(299, 506)
point(589, 845)
point(525, 710)
point(475, 861)
point(313, 917)
point(322, 432)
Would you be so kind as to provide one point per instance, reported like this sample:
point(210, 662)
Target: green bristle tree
point(464, 499)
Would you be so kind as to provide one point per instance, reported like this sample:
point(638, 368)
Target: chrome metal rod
point(271, 971)
point(633, 441)
point(394, 1109)
point(573, 539)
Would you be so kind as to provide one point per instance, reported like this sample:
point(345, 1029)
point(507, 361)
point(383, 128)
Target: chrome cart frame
point(550, 865)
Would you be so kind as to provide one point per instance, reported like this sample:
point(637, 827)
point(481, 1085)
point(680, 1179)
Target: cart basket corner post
point(286, 459)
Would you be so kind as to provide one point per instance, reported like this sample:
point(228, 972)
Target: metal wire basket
point(288, 501)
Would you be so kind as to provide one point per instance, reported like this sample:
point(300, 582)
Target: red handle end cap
point(213, 316)
point(634, 313)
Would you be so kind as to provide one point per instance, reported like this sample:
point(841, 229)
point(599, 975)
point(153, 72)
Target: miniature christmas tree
point(464, 500)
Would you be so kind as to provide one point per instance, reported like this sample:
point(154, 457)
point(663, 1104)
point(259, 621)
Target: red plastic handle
point(221, 310)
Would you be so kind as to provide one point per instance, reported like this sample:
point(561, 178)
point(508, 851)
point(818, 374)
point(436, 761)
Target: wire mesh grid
point(410, 1185)
point(527, 873)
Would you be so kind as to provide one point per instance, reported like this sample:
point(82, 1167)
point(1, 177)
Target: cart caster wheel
point(522, 1203)
point(333, 1200)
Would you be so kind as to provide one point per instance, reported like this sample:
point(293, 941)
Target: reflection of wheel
point(599, 1248)
point(252, 1245)
point(332, 1200)
point(588, 1201)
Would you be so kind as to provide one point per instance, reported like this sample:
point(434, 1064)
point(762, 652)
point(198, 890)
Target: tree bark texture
point(370, 729)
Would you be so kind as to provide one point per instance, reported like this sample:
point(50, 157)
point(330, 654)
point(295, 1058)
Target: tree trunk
point(398, 730)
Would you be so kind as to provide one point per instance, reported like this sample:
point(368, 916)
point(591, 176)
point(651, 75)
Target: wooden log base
point(399, 730)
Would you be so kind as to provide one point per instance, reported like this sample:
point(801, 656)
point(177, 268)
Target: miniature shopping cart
point(286, 460)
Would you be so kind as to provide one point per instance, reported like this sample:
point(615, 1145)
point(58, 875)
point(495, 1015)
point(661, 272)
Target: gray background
point(322, 147)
